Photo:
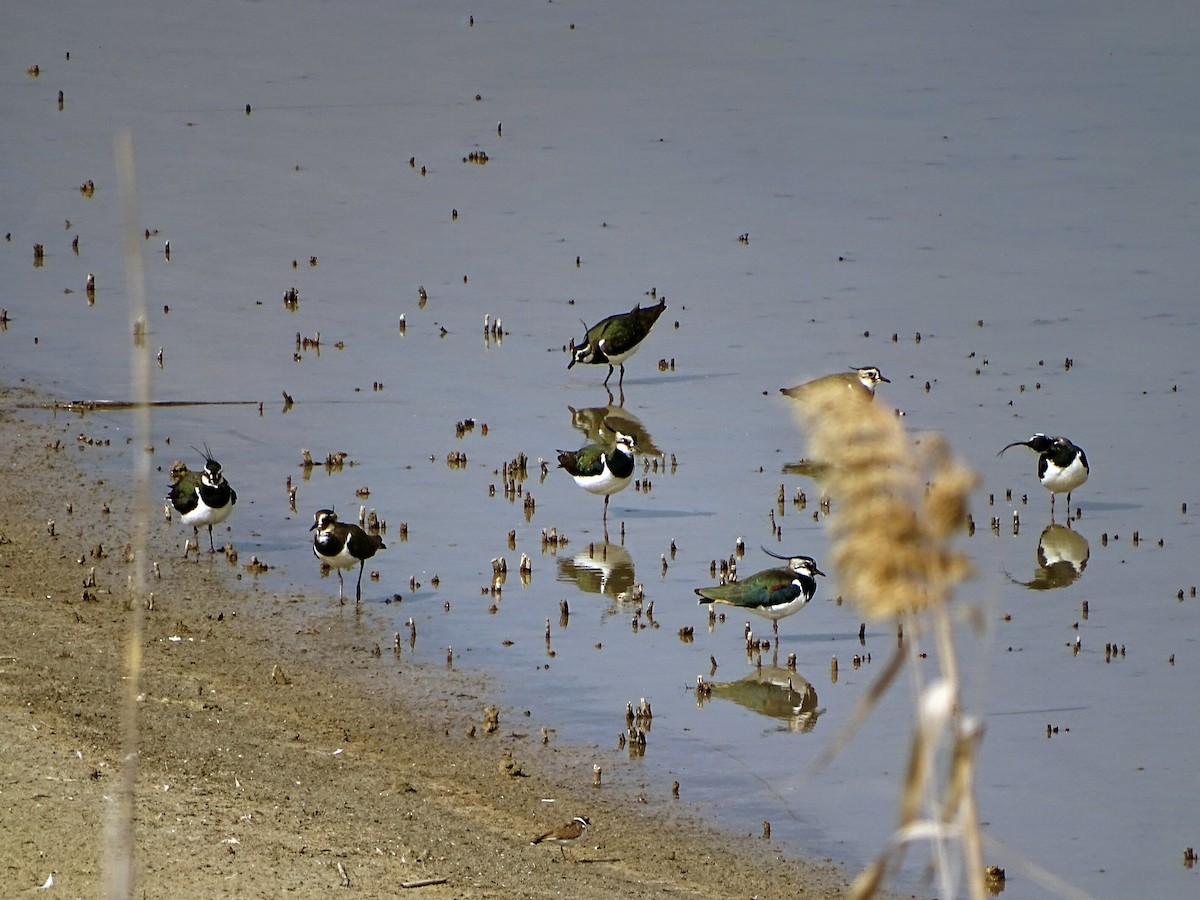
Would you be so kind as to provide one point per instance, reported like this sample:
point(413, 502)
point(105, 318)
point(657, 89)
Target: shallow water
point(897, 173)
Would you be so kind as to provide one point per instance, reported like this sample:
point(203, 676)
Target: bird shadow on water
point(1101, 506)
point(809, 637)
point(661, 513)
point(677, 378)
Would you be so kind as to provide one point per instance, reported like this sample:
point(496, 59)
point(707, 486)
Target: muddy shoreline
point(276, 760)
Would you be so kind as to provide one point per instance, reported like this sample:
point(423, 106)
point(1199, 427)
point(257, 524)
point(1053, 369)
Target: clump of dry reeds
point(896, 507)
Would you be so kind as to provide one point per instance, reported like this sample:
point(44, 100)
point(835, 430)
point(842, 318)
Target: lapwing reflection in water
point(1062, 555)
point(775, 692)
point(807, 468)
point(602, 568)
point(599, 423)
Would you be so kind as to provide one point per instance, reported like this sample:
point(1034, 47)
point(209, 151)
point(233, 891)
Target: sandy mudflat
point(360, 767)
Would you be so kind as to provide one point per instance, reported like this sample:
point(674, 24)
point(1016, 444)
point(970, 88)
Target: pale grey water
point(899, 169)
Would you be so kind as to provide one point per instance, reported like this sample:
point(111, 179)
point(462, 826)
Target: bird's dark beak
point(885, 380)
point(817, 571)
point(312, 527)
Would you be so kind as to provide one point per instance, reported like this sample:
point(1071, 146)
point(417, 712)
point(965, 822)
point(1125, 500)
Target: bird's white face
point(211, 475)
point(804, 565)
point(870, 376)
point(323, 520)
point(627, 441)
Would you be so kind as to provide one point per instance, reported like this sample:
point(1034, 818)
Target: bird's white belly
point(784, 609)
point(206, 515)
point(1066, 479)
point(606, 483)
point(343, 559)
point(619, 358)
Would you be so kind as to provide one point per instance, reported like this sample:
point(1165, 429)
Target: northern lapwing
point(615, 339)
point(201, 498)
point(1062, 466)
point(774, 593)
point(565, 835)
point(859, 383)
point(600, 469)
point(340, 545)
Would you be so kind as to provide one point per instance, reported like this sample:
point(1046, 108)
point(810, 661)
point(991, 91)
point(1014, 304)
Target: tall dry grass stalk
point(121, 876)
point(896, 507)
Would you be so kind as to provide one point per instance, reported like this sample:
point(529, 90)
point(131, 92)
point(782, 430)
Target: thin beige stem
point(121, 879)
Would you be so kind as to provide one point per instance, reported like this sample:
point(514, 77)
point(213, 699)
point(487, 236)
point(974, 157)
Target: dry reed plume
point(896, 511)
point(896, 507)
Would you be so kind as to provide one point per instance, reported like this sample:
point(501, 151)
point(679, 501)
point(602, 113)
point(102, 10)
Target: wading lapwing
point(615, 339)
point(774, 593)
point(600, 469)
point(859, 383)
point(1062, 466)
point(565, 835)
point(340, 545)
point(201, 498)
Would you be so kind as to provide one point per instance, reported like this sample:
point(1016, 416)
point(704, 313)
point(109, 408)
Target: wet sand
point(276, 761)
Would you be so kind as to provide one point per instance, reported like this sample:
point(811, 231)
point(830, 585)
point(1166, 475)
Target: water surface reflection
point(602, 568)
point(1062, 555)
point(773, 691)
point(598, 422)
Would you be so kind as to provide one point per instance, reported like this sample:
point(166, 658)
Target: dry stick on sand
point(87, 405)
point(896, 510)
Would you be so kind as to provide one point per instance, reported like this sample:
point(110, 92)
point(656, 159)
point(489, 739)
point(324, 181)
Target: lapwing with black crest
point(600, 468)
point(774, 593)
point(613, 340)
point(203, 497)
point(341, 545)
